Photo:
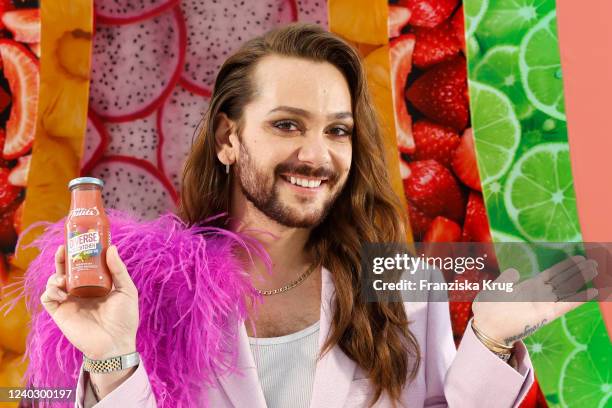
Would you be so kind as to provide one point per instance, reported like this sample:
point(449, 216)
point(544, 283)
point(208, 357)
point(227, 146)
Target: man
point(290, 147)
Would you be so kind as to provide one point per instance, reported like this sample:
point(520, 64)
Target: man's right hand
point(99, 327)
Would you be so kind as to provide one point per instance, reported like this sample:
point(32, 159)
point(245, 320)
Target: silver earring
point(227, 167)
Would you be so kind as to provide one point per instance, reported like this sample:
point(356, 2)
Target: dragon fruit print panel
point(154, 64)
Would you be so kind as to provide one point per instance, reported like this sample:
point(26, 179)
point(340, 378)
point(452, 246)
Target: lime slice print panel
point(507, 21)
point(548, 347)
point(540, 66)
point(529, 189)
point(500, 69)
point(539, 195)
point(473, 12)
point(586, 374)
point(493, 194)
point(497, 131)
point(583, 327)
point(473, 50)
point(585, 380)
point(513, 252)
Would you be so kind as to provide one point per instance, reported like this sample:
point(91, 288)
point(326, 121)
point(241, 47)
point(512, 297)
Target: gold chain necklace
point(291, 285)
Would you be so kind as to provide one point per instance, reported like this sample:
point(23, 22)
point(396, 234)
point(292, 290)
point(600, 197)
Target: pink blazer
point(471, 376)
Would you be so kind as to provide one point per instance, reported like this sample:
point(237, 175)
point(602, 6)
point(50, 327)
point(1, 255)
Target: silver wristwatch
point(109, 365)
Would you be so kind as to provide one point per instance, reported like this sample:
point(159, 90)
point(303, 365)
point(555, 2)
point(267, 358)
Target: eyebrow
point(306, 114)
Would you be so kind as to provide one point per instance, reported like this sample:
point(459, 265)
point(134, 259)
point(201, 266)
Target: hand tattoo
point(528, 330)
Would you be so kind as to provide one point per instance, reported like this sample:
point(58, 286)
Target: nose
point(314, 150)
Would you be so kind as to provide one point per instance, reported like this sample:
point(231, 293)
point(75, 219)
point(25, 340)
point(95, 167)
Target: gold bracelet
point(492, 347)
point(504, 355)
point(490, 343)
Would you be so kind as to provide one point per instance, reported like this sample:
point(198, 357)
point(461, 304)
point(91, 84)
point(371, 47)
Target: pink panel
point(585, 37)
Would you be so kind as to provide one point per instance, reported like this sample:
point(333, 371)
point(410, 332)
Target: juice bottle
point(87, 240)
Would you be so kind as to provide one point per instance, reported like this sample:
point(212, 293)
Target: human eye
point(286, 125)
point(342, 131)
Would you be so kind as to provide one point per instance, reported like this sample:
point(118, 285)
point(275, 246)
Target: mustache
point(307, 171)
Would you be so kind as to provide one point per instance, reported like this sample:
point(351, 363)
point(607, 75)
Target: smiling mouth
point(305, 182)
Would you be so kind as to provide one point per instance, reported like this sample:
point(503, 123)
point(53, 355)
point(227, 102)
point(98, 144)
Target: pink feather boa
point(191, 285)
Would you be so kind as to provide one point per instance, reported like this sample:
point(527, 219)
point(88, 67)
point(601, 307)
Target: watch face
point(130, 360)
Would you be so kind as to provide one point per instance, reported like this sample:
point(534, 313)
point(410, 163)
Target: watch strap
point(504, 356)
point(112, 364)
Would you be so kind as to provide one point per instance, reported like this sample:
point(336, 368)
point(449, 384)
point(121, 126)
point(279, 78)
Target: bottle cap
point(84, 180)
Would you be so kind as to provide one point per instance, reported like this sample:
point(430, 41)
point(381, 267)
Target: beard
point(262, 189)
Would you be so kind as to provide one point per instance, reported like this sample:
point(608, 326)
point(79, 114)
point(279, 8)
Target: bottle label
point(82, 246)
point(81, 212)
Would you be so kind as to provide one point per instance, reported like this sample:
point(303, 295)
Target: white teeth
point(305, 182)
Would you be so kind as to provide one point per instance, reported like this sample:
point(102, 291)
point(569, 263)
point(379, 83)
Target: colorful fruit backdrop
point(19, 91)
point(469, 96)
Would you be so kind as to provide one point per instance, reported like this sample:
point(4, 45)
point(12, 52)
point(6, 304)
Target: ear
point(225, 128)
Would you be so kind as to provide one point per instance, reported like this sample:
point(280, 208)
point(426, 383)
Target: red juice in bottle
point(87, 240)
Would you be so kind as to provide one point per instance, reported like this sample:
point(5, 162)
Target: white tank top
point(286, 367)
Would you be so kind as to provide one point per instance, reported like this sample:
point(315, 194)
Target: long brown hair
point(375, 335)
